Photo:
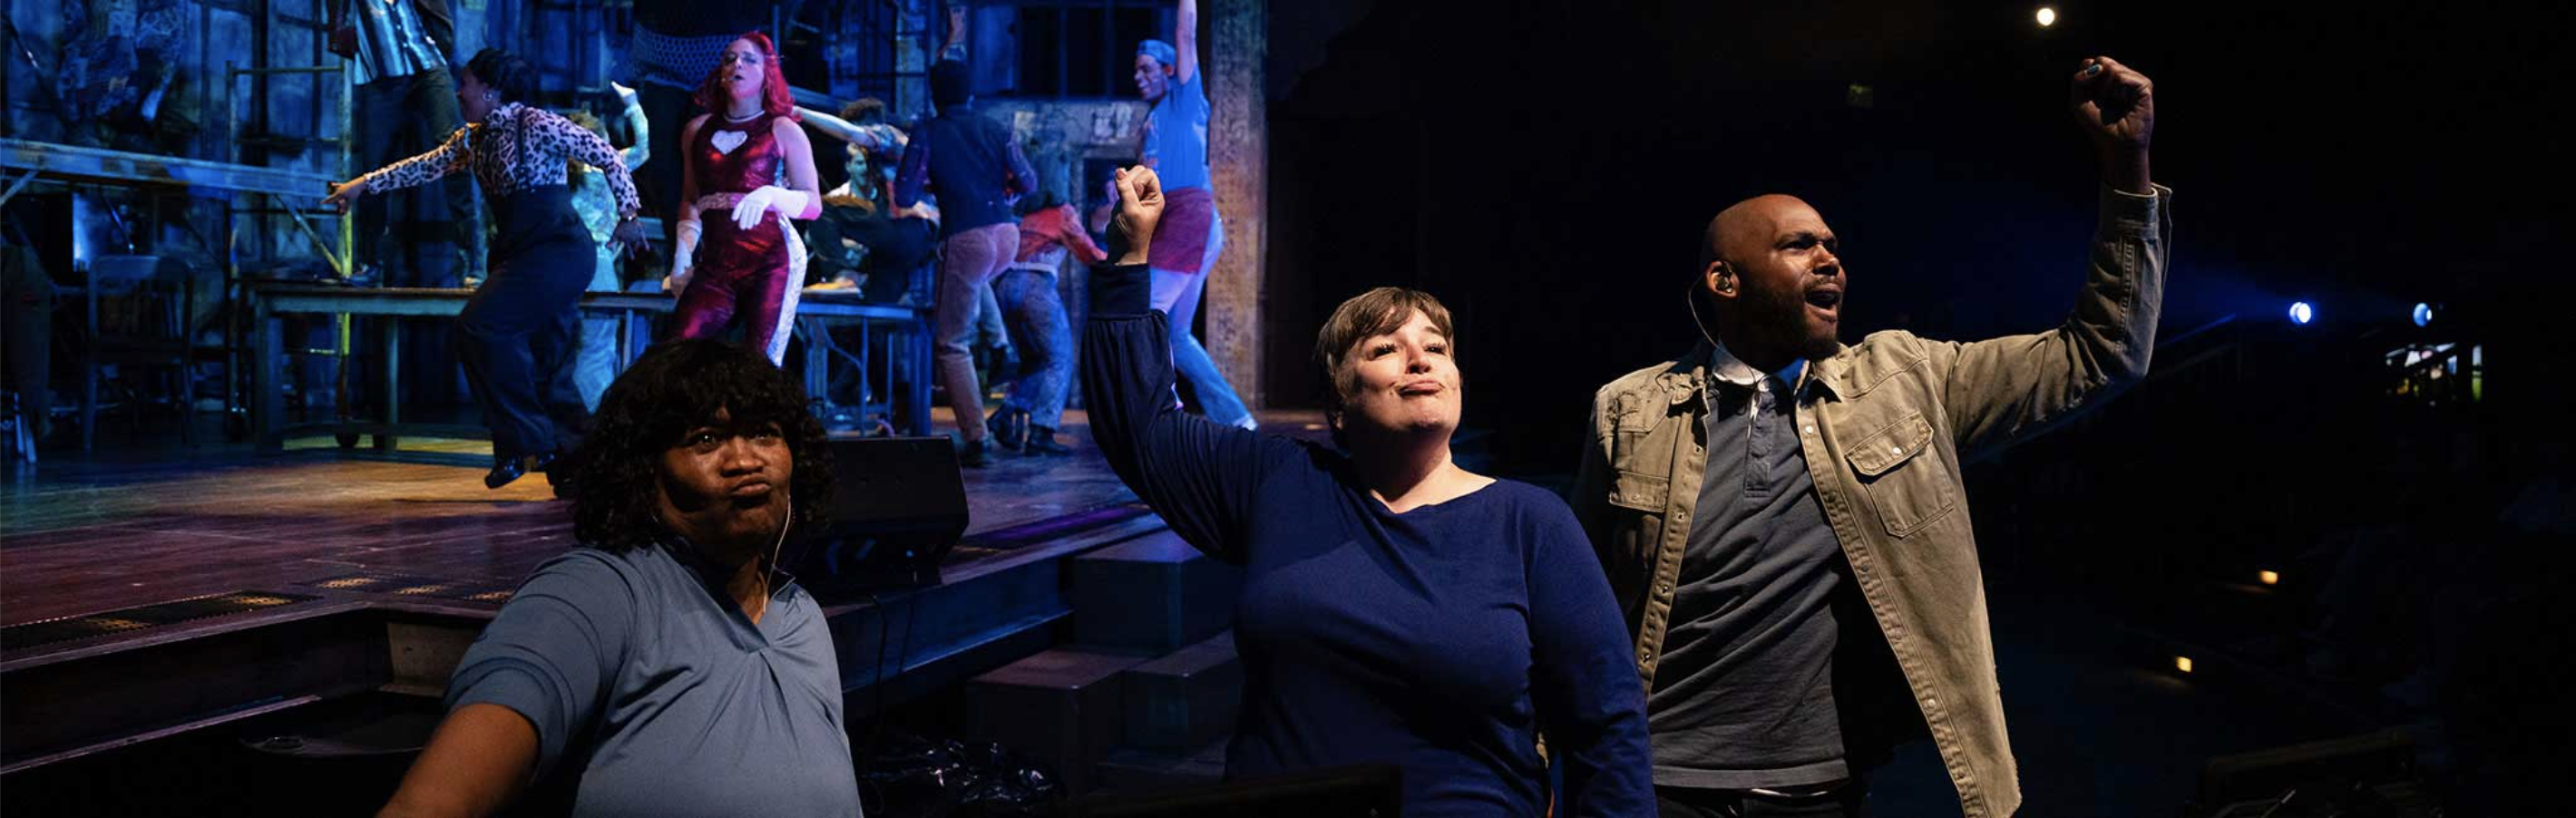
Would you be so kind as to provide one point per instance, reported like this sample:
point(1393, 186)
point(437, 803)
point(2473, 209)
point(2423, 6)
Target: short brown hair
point(1376, 312)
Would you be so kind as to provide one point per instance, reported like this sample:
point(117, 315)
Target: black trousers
point(520, 333)
point(1847, 801)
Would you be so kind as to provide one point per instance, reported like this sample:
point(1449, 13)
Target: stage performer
point(977, 168)
point(752, 165)
point(1396, 609)
point(1176, 147)
point(1029, 417)
point(666, 667)
point(1781, 515)
point(517, 334)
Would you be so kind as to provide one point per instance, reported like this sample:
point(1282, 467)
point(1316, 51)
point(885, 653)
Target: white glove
point(747, 213)
point(684, 256)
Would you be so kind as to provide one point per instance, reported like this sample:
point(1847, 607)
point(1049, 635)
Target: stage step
point(1184, 700)
point(1059, 707)
point(1152, 595)
point(1139, 771)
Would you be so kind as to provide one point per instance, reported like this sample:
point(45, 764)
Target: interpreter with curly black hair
point(667, 666)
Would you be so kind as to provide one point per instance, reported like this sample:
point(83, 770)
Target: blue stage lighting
point(2301, 313)
point(2423, 314)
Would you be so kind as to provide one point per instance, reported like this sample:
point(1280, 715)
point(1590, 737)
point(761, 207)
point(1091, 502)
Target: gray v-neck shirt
point(646, 680)
point(1744, 697)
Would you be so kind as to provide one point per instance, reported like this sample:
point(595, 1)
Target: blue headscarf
point(1162, 52)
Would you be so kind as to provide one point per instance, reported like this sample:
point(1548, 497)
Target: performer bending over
point(665, 667)
point(517, 335)
point(745, 161)
point(1396, 608)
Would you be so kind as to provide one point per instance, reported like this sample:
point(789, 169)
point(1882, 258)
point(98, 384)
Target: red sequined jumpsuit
point(757, 272)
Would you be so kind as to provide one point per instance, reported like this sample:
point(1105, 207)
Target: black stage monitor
point(898, 506)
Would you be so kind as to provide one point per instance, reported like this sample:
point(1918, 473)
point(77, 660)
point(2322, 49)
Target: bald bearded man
point(1781, 515)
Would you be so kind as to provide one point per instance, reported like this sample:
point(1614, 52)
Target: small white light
point(2301, 313)
point(2047, 16)
point(2268, 577)
point(2182, 663)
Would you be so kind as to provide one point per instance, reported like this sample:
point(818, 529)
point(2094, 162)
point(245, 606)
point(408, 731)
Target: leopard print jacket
point(514, 149)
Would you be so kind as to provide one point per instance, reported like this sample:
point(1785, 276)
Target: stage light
point(2182, 663)
point(2268, 577)
point(2047, 17)
point(2423, 314)
point(2301, 313)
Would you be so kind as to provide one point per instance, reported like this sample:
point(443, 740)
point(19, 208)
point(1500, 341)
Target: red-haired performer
point(517, 334)
point(745, 161)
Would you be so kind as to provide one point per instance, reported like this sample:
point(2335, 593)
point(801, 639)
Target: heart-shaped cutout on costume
point(726, 141)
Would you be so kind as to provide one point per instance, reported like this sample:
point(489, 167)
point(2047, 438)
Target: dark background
point(1545, 168)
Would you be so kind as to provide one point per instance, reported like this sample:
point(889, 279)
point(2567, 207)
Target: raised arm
point(1185, 39)
point(836, 127)
point(642, 151)
point(876, 137)
point(2002, 390)
point(1198, 474)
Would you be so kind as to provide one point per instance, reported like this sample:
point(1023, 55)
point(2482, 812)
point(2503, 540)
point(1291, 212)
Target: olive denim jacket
point(1884, 437)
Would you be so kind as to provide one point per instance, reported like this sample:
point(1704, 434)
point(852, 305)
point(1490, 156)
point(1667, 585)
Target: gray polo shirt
point(1744, 697)
point(648, 682)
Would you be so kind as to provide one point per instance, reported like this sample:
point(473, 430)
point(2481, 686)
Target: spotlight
point(2301, 313)
point(2268, 577)
point(2423, 314)
point(2182, 663)
point(2047, 16)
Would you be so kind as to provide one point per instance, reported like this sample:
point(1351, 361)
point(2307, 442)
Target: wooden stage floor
point(414, 529)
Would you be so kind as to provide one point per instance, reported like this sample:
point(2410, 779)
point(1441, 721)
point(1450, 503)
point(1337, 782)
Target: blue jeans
point(1036, 315)
point(1178, 295)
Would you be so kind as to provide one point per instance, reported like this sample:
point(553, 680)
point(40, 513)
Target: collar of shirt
point(1734, 370)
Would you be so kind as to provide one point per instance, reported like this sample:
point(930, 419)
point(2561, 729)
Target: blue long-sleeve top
point(1442, 640)
point(974, 164)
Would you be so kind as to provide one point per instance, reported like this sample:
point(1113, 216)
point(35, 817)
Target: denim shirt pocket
point(1907, 489)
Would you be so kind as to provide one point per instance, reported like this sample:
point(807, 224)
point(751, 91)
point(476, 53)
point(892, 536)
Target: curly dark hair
point(675, 386)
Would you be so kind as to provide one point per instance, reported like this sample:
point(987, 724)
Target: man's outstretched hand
point(1140, 207)
point(2116, 107)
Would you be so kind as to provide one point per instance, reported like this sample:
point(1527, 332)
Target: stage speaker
point(898, 507)
point(2372, 774)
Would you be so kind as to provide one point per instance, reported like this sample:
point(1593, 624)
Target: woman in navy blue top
point(1396, 609)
